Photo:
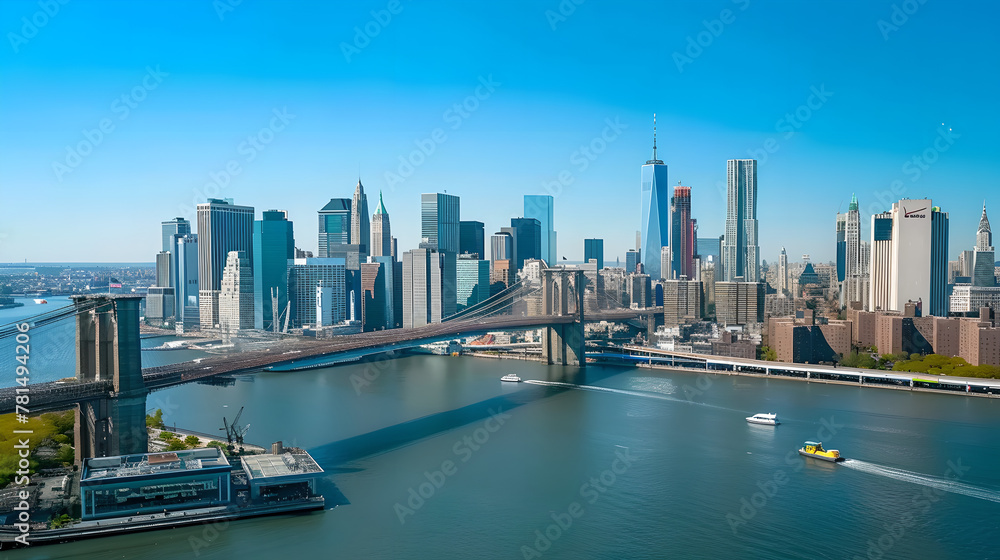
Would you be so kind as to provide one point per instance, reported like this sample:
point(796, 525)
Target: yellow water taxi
point(815, 450)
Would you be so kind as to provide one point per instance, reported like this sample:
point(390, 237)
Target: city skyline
point(164, 151)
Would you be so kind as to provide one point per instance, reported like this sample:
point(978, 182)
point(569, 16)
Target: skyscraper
point(880, 264)
point(739, 247)
point(783, 272)
point(473, 281)
point(983, 273)
point(440, 231)
point(334, 226)
point(852, 240)
point(666, 262)
point(177, 226)
point(391, 275)
point(236, 293)
point(841, 247)
point(527, 234)
point(304, 276)
point(541, 208)
point(939, 263)
point(909, 261)
point(376, 306)
point(710, 247)
point(593, 249)
point(360, 227)
point(502, 245)
point(222, 227)
point(655, 200)
point(273, 246)
point(381, 232)
point(682, 238)
point(164, 277)
point(631, 261)
point(472, 238)
point(184, 268)
point(854, 269)
point(422, 287)
point(439, 222)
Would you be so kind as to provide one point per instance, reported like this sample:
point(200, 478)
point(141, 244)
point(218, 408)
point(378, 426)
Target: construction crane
point(234, 433)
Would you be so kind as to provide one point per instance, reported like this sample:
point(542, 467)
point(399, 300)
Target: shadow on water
point(331, 455)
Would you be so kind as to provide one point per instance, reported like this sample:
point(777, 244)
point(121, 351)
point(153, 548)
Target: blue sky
point(200, 78)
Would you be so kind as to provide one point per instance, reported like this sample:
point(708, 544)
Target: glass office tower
point(740, 258)
point(540, 207)
point(594, 249)
point(334, 225)
point(655, 211)
point(273, 246)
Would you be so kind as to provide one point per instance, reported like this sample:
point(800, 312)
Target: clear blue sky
point(560, 79)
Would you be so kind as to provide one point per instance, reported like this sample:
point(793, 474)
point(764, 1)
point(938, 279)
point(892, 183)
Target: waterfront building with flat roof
point(154, 482)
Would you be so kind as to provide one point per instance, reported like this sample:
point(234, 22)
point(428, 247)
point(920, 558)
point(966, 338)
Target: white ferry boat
point(768, 419)
point(511, 377)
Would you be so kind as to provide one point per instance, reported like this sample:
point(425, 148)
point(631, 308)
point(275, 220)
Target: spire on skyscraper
point(381, 205)
point(854, 203)
point(984, 222)
point(654, 160)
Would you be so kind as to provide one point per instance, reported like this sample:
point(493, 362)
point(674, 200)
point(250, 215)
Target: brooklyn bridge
point(108, 388)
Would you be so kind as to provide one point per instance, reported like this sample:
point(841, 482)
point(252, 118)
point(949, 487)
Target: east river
point(434, 457)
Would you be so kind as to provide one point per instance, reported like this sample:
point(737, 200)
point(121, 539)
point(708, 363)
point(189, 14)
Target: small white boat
point(768, 419)
point(511, 377)
point(40, 301)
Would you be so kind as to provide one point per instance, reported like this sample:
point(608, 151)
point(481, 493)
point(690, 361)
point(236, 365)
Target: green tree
point(66, 454)
point(59, 522)
point(220, 445)
point(155, 420)
point(767, 353)
point(167, 435)
point(176, 445)
point(192, 440)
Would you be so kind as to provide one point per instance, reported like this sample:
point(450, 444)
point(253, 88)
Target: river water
point(630, 463)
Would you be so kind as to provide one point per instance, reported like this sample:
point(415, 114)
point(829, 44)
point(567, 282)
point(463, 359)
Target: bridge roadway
point(58, 395)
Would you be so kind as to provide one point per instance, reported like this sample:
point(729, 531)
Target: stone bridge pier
point(108, 349)
point(562, 294)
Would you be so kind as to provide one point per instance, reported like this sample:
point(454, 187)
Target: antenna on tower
point(654, 135)
point(654, 160)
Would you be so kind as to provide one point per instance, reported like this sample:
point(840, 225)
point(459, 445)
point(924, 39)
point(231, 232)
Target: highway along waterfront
point(434, 457)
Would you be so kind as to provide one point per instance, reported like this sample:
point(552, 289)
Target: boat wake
point(645, 394)
point(602, 389)
point(940, 483)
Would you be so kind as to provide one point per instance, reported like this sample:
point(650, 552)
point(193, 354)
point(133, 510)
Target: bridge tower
point(562, 294)
point(108, 350)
